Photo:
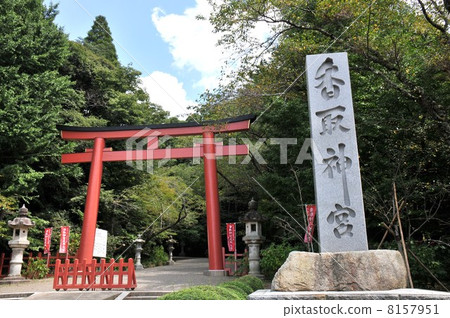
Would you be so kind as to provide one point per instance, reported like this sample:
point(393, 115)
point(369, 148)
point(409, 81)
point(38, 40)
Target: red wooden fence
point(104, 275)
point(4, 261)
point(231, 266)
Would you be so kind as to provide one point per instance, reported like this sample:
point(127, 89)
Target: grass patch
point(237, 289)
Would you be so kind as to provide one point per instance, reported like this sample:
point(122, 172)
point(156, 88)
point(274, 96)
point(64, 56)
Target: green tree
point(100, 40)
point(111, 91)
point(33, 97)
point(33, 94)
point(399, 67)
point(47, 80)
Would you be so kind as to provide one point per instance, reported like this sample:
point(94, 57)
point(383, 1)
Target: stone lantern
point(253, 237)
point(137, 258)
point(170, 247)
point(19, 242)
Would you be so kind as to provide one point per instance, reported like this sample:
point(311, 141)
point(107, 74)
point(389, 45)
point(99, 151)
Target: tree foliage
point(399, 64)
point(33, 94)
point(100, 41)
point(48, 80)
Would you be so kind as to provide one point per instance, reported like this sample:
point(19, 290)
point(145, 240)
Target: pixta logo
point(147, 144)
point(144, 143)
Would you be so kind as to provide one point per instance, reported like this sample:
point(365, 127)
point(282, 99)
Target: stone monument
point(340, 211)
point(344, 262)
point(19, 242)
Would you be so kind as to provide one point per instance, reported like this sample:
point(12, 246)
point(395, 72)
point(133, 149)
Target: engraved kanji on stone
point(337, 178)
point(341, 217)
point(329, 84)
point(331, 120)
point(337, 161)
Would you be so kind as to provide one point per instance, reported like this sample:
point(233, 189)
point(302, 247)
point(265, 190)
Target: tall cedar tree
point(100, 41)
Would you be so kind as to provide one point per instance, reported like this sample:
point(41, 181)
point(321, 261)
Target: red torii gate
point(208, 151)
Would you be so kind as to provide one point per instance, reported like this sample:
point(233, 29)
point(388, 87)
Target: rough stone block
point(343, 271)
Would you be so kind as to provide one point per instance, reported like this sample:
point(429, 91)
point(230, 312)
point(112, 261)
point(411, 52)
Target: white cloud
point(165, 90)
point(192, 42)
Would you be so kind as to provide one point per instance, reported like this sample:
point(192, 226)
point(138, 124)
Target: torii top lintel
point(152, 133)
point(173, 129)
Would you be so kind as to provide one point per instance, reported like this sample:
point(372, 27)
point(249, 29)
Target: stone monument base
point(344, 271)
point(8, 280)
point(396, 294)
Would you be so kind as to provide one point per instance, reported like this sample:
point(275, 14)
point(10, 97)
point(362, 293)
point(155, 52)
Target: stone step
point(15, 296)
point(142, 295)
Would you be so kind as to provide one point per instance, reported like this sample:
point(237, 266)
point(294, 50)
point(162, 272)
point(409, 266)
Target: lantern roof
point(22, 220)
point(252, 215)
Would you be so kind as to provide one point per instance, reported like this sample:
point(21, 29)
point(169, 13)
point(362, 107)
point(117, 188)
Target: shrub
point(428, 256)
point(242, 294)
point(273, 257)
point(254, 282)
point(239, 287)
point(243, 266)
point(233, 290)
point(158, 256)
point(36, 269)
point(204, 293)
point(229, 293)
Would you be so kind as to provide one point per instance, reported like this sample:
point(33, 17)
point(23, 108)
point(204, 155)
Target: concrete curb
point(396, 294)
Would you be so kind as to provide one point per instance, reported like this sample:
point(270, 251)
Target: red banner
point(47, 239)
point(231, 236)
point(311, 213)
point(64, 241)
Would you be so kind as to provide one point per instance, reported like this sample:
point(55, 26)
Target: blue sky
point(175, 52)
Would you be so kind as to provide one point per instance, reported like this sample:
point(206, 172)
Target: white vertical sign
point(100, 243)
point(337, 179)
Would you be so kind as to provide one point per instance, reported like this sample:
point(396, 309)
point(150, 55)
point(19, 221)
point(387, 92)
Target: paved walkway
point(184, 273)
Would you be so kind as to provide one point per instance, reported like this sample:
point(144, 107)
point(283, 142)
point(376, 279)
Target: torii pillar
point(216, 266)
point(86, 249)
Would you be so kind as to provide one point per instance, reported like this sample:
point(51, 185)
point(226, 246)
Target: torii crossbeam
point(208, 150)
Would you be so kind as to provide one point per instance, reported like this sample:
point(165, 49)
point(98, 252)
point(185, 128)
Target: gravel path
point(184, 273)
